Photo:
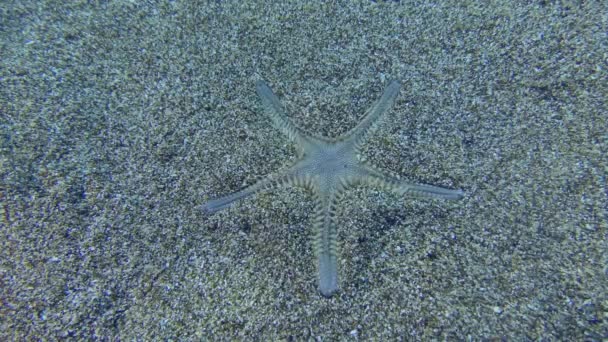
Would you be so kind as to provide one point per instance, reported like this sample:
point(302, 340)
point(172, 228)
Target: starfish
point(326, 167)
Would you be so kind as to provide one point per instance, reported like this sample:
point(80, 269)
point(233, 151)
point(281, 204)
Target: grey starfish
point(327, 166)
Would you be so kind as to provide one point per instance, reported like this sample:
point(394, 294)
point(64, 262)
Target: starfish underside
point(327, 166)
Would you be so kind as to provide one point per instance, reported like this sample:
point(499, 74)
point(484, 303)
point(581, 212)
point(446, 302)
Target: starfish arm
point(290, 176)
point(424, 190)
point(376, 178)
point(325, 242)
point(225, 201)
point(373, 116)
point(275, 111)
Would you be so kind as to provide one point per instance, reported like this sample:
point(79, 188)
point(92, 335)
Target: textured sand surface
point(119, 118)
